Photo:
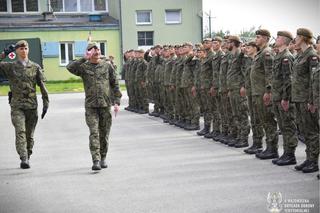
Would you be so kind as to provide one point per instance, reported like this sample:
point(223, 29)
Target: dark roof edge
point(56, 28)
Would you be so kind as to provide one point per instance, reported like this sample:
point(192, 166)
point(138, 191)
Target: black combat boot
point(216, 135)
point(187, 124)
point(96, 165)
point(204, 131)
point(312, 167)
point(302, 165)
point(209, 134)
point(24, 163)
point(268, 153)
point(242, 143)
point(254, 149)
point(103, 163)
point(232, 142)
point(286, 159)
point(192, 127)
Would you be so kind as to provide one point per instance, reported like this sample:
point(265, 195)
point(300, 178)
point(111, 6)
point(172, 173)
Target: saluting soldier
point(99, 78)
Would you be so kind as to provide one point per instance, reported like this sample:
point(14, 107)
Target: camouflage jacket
point(168, 67)
point(303, 67)
point(23, 81)
point(141, 71)
point(261, 72)
point(179, 71)
point(316, 86)
point(133, 70)
point(159, 69)
point(206, 71)
point(99, 80)
point(246, 69)
point(281, 76)
point(223, 73)
point(173, 76)
point(188, 76)
point(216, 62)
point(235, 78)
point(197, 69)
point(125, 70)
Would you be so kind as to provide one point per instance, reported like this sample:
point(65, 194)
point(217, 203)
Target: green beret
point(304, 32)
point(285, 34)
point(21, 43)
point(263, 32)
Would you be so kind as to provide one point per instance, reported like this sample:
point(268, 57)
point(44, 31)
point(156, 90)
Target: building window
point(3, 6)
point(19, 6)
point(79, 5)
point(145, 38)
point(173, 17)
point(66, 53)
point(143, 17)
point(102, 47)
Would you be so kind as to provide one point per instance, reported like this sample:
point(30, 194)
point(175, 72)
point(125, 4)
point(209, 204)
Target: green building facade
point(65, 26)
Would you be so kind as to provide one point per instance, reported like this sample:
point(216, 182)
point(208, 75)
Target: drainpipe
point(121, 35)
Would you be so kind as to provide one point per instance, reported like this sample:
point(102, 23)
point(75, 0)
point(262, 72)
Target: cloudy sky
point(235, 15)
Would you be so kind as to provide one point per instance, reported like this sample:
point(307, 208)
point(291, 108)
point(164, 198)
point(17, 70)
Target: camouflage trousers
point(257, 130)
point(287, 126)
point(310, 130)
point(216, 118)
point(129, 92)
point(168, 105)
point(142, 101)
point(99, 121)
point(225, 112)
point(240, 127)
point(206, 101)
point(192, 110)
point(24, 122)
point(264, 118)
point(179, 104)
point(156, 96)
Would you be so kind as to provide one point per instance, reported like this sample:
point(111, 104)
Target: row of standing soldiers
point(235, 87)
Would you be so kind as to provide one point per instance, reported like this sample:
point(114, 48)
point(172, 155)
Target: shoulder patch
point(267, 54)
point(285, 61)
point(315, 58)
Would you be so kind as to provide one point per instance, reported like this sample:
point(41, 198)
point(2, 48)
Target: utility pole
point(210, 18)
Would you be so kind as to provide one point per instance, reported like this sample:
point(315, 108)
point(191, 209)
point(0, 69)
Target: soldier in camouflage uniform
point(235, 80)
point(304, 66)
point(168, 67)
point(149, 56)
point(205, 82)
point(157, 61)
point(192, 111)
point(261, 74)
point(23, 76)
point(180, 101)
point(140, 79)
point(281, 98)
point(173, 85)
point(99, 78)
point(224, 105)
point(125, 74)
point(257, 130)
point(216, 126)
point(197, 68)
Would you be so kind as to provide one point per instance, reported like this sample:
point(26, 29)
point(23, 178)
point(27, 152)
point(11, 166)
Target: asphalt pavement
point(153, 168)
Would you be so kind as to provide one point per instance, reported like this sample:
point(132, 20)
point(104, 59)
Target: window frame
point(145, 38)
point(79, 8)
point(144, 23)
point(172, 10)
point(9, 8)
point(105, 46)
point(66, 52)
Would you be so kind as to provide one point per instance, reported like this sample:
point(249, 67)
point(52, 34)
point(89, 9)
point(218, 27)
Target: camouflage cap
point(21, 43)
point(206, 39)
point(226, 37)
point(234, 38)
point(140, 51)
point(304, 32)
point(217, 38)
point(187, 44)
point(285, 34)
point(92, 45)
point(177, 46)
point(263, 32)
